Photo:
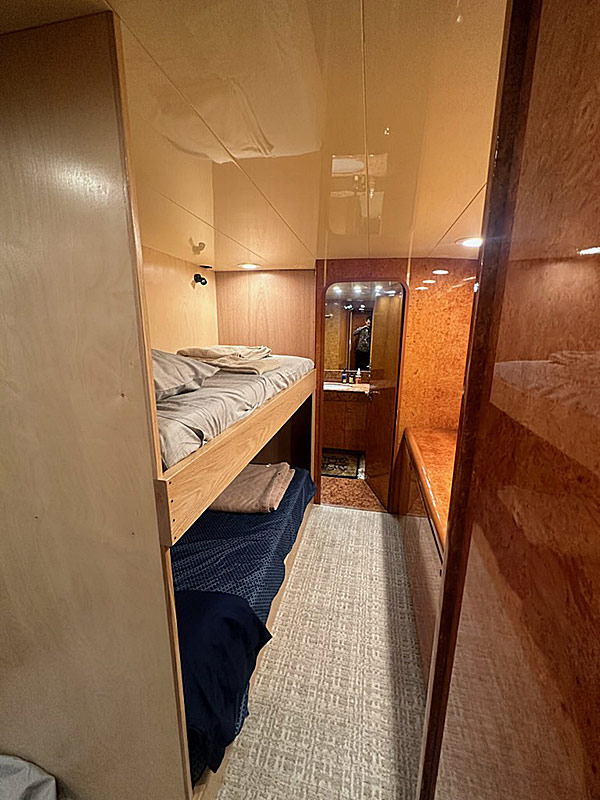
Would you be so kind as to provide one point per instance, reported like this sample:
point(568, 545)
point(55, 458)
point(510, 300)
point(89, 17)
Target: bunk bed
point(187, 488)
point(226, 571)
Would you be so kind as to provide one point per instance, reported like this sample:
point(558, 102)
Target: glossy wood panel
point(88, 683)
point(386, 343)
point(436, 340)
point(524, 698)
point(272, 308)
point(181, 313)
point(345, 420)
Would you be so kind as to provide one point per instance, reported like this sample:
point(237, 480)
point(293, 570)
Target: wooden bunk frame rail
point(186, 490)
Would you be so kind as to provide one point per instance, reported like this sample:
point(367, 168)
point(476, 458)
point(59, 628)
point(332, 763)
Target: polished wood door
point(383, 396)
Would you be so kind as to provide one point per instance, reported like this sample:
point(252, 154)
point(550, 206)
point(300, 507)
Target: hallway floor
point(337, 708)
point(349, 492)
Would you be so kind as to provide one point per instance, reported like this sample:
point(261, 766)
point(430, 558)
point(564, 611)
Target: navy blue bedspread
point(229, 556)
point(242, 554)
point(220, 638)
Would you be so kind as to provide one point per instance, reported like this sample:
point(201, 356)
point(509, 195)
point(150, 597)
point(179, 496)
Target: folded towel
point(215, 351)
point(258, 489)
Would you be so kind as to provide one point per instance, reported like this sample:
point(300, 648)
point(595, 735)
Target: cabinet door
point(334, 416)
point(356, 422)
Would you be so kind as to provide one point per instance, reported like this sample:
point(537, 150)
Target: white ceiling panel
point(278, 131)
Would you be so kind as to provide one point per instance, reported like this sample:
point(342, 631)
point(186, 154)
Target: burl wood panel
point(86, 674)
point(275, 308)
point(436, 340)
point(181, 313)
point(524, 701)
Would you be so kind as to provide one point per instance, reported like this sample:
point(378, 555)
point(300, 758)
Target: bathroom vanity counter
point(331, 386)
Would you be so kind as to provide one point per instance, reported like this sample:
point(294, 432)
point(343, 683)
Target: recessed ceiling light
point(378, 288)
point(429, 280)
point(589, 251)
point(440, 271)
point(249, 266)
point(391, 293)
point(470, 241)
point(421, 288)
point(357, 290)
point(337, 289)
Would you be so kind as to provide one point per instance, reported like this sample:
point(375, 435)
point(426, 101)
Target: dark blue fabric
point(220, 638)
point(240, 555)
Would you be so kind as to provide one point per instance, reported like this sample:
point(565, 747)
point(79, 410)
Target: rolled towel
point(258, 489)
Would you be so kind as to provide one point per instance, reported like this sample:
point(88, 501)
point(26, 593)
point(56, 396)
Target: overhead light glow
point(589, 251)
point(337, 289)
point(249, 266)
point(421, 288)
point(470, 241)
point(391, 293)
point(428, 280)
point(378, 288)
point(440, 271)
point(357, 290)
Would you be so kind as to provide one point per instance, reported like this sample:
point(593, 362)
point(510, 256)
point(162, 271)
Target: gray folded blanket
point(234, 358)
point(258, 489)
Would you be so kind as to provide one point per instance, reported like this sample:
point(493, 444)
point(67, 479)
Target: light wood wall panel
point(181, 313)
point(275, 308)
point(87, 686)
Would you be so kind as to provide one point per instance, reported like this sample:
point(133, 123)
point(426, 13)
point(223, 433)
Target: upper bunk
point(236, 435)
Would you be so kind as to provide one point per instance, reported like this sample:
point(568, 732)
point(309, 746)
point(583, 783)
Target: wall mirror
point(350, 321)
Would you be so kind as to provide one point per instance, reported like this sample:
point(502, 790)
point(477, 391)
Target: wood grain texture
point(274, 308)
point(188, 488)
point(438, 320)
point(181, 313)
point(85, 635)
point(345, 420)
point(530, 723)
point(509, 124)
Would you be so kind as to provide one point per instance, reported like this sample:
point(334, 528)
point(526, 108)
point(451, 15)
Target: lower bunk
point(227, 570)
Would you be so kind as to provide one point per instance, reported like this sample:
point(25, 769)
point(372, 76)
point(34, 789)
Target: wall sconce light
point(198, 278)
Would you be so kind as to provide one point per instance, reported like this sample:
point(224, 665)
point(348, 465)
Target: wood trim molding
point(187, 489)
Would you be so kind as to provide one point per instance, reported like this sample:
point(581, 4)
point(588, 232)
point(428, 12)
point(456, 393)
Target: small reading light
point(200, 279)
point(589, 251)
point(439, 272)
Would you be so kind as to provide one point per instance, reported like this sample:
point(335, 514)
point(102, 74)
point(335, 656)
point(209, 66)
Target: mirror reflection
point(349, 327)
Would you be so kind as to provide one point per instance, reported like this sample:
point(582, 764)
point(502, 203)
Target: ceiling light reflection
point(589, 251)
point(470, 241)
point(440, 271)
point(429, 280)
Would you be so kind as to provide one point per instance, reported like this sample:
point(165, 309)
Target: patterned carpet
point(349, 493)
point(337, 708)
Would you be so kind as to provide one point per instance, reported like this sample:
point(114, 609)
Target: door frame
point(328, 272)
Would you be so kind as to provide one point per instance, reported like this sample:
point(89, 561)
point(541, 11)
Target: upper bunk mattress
point(188, 420)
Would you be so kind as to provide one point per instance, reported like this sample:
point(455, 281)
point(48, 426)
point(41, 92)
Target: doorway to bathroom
point(362, 342)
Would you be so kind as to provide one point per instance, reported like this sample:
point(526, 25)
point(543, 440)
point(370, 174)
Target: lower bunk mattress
point(227, 569)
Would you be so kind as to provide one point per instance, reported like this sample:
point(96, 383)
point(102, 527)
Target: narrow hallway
point(337, 708)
